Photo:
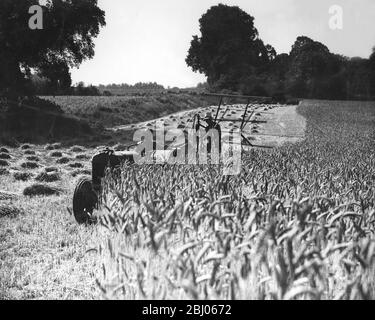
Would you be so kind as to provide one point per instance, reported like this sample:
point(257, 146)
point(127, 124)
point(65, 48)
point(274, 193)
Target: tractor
point(87, 192)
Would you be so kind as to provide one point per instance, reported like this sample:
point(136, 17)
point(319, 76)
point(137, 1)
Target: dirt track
point(283, 125)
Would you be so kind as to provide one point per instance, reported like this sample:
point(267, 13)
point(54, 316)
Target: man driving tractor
point(211, 125)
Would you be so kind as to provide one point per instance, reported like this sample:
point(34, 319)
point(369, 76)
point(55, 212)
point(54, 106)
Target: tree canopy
point(229, 47)
point(66, 40)
point(372, 69)
point(233, 57)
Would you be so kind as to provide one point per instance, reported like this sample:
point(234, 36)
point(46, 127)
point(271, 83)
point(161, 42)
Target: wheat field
point(297, 223)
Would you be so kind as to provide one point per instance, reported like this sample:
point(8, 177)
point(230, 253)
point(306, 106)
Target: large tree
point(309, 58)
point(229, 47)
point(310, 63)
point(371, 64)
point(66, 40)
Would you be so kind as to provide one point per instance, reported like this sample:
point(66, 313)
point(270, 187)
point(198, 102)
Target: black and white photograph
point(172, 151)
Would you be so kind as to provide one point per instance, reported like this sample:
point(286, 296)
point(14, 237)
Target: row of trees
point(229, 52)
point(137, 86)
point(43, 86)
point(233, 57)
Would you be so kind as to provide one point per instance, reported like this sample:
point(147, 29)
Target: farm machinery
point(87, 192)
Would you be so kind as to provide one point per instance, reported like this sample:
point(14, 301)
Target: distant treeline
point(128, 87)
point(43, 86)
point(310, 70)
point(231, 54)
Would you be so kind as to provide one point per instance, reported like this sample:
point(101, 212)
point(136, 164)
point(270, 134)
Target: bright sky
point(148, 40)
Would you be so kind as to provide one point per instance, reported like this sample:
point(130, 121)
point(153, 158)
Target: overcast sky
point(148, 40)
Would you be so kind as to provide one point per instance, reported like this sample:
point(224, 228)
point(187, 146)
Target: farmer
point(212, 125)
point(197, 127)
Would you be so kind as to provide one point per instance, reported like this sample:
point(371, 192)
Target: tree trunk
point(12, 80)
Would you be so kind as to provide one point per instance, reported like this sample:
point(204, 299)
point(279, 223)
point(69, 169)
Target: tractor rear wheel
point(85, 200)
